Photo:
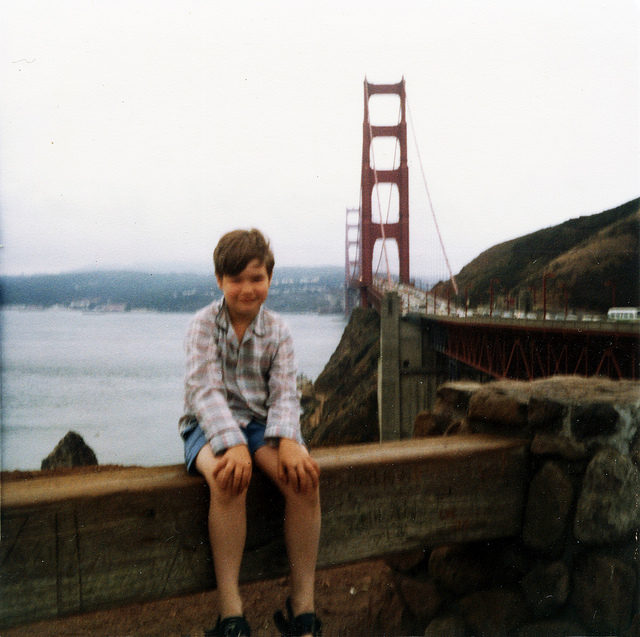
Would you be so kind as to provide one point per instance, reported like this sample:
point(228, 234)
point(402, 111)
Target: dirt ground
point(349, 599)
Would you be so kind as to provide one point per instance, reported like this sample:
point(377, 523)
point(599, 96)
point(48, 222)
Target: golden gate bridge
point(511, 345)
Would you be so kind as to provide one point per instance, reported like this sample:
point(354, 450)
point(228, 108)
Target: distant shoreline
point(292, 291)
point(138, 310)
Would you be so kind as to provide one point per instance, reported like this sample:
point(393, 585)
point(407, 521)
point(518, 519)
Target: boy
point(241, 407)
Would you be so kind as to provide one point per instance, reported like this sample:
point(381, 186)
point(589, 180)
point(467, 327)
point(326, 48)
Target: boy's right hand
point(233, 470)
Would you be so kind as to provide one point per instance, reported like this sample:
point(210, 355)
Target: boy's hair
point(236, 248)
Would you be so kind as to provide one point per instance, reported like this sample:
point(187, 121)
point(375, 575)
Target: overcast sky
point(136, 132)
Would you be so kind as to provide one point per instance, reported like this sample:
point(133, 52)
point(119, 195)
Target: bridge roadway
point(521, 348)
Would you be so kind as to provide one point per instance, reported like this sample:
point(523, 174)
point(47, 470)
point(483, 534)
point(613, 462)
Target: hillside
point(596, 257)
point(304, 289)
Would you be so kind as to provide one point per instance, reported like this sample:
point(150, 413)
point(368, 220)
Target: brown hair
point(236, 248)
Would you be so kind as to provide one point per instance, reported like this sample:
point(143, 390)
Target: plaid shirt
point(228, 384)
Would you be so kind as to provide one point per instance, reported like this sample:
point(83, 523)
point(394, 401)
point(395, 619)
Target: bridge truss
point(527, 350)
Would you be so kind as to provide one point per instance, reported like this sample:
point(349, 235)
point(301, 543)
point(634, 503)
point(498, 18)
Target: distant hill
point(591, 259)
point(304, 289)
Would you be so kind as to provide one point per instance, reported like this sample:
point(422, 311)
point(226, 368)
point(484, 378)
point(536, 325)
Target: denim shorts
point(194, 440)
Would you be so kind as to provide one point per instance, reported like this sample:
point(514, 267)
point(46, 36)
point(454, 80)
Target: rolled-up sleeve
point(205, 395)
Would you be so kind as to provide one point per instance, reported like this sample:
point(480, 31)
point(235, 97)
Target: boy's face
point(244, 293)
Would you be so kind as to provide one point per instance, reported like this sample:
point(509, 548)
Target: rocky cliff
point(342, 405)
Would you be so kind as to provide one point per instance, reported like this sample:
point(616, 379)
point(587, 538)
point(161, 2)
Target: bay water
point(114, 378)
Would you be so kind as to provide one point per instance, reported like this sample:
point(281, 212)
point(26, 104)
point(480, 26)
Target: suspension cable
point(433, 212)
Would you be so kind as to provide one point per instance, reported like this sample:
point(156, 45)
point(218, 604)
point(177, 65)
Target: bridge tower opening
point(352, 259)
point(396, 178)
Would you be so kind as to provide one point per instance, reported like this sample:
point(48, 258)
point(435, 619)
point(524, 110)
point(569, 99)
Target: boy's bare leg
point(227, 533)
point(301, 529)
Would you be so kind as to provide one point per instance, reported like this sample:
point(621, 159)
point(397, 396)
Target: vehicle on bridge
point(624, 314)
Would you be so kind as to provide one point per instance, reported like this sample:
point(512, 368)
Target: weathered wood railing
point(88, 541)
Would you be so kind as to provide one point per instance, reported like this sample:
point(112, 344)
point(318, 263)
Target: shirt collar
point(257, 326)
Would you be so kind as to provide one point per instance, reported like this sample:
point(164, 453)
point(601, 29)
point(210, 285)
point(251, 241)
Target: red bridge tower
point(370, 231)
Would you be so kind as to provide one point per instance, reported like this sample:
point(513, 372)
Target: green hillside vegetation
point(591, 257)
point(302, 289)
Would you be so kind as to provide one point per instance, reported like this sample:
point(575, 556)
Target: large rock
point(546, 588)
point(71, 451)
point(609, 504)
point(594, 419)
point(551, 444)
point(594, 411)
point(436, 421)
point(550, 628)
point(421, 598)
point(447, 626)
point(496, 611)
point(501, 405)
point(457, 394)
point(546, 519)
point(460, 568)
point(634, 452)
point(566, 390)
point(545, 414)
point(449, 412)
point(604, 593)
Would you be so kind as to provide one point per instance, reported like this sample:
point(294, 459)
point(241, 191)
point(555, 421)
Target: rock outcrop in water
point(71, 451)
point(342, 405)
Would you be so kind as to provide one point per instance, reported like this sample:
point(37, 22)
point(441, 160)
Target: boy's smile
point(244, 293)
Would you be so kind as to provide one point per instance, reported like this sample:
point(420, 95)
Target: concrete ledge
point(81, 542)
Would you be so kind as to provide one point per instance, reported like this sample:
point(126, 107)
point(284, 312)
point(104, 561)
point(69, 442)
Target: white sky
point(136, 132)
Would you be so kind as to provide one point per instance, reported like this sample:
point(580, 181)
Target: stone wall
point(574, 569)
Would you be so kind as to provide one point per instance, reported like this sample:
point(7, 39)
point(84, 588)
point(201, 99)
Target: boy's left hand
point(296, 466)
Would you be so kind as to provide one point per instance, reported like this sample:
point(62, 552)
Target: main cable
point(433, 212)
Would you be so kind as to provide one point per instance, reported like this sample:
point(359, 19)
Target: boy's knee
point(309, 497)
point(225, 497)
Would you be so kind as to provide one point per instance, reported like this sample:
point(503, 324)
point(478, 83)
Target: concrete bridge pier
point(409, 369)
